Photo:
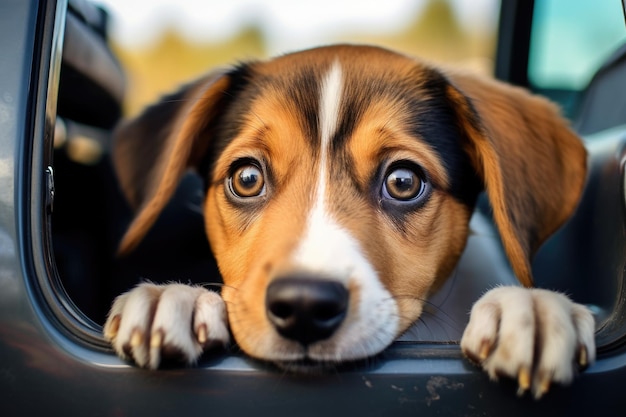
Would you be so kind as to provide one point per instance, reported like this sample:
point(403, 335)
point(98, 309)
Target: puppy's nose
point(306, 309)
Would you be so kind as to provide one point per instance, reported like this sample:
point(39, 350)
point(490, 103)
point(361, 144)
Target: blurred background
point(163, 43)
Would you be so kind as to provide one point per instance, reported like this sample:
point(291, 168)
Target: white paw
point(155, 322)
point(534, 335)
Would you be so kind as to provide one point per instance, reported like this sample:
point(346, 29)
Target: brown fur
point(532, 164)
point(507, 134)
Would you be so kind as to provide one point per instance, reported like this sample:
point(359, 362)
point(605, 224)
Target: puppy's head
point(339, 185)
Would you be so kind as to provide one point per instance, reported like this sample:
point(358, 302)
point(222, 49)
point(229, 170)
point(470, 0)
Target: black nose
point(306, 309)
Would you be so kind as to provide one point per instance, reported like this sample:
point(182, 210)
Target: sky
point(286, 22)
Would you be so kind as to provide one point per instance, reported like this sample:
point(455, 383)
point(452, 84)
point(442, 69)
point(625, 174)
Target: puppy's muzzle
point(306, 309)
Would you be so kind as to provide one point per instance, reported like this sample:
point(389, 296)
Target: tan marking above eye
point(247, 181)
point(381, 135)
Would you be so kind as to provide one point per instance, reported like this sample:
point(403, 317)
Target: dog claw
point(543, 388)
point(523, 380)
point(485, 350)
point(113, 327)
point(136, 338)
point(583, 357)
point(156, 341)
point(202, 334)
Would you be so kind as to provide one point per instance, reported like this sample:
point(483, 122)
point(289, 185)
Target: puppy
point(339, 186)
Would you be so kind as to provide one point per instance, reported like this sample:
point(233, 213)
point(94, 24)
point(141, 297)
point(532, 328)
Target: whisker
point(430, 309)
point(208, 284)
point(216, 284)
point(452, 279)
point(425, 330)
point(428, 328)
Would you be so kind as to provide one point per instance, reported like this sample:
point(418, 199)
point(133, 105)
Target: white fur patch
point(330, 250)
point(330, 101)
point(320, 227)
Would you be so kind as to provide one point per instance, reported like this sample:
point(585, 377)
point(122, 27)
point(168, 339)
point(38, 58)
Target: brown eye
point(403, 184)
point(247, 181)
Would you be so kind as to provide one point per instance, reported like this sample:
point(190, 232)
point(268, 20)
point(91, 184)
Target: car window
point(570, 40)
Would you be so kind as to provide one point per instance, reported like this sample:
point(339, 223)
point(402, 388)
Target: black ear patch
point(234, 104)
point(436, 120)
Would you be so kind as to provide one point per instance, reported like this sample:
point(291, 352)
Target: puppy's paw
point(536, 336)
point(153, 322)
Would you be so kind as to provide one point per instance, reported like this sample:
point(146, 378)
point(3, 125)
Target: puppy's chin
point(306, 366)
point(303, 361)
point(309, 366)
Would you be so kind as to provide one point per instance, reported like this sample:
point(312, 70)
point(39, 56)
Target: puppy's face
point(331, 171)
point(340, 182)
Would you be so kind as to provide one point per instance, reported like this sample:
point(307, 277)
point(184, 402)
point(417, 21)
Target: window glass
point(571, 39)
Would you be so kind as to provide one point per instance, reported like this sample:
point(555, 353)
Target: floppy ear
point(532, 165)
point(152, 152)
